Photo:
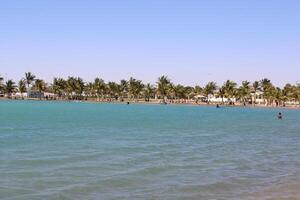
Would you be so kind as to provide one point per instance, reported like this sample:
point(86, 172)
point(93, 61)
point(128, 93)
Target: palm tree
point(265, 83)
point(149, 92)
point(114, 90)
point(89, 89)
point(163, 87)
point(75, 86)
point(244, 91)
point(71, 87)
point(29, 77)
point(297, 93)
point(288, 92)
point(255, 87)
point(79, 86)
point(271, 94)
point(9, 88)
point(22, 87)
point(123, 88)
point(209, 89)
point(221, 93)
point(1, 84)
point(40, 85)
point(177, 91)
point(278, 96)
point(198, 90)
point(189, 92)
point(268, 90)
point(135, 88)
point(59, 86)
point(230, 89)
point(100, 88)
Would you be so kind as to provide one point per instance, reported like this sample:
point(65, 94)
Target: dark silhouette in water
point(279, 115)
point(218, 106)
point(128, 103)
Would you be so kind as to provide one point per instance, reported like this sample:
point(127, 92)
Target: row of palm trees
point(164, 89)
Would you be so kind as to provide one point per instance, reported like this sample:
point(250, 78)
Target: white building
point(258, 97)
point(20, 95)
point(214, 99)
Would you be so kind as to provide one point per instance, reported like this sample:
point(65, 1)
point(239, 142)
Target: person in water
point(218, 106)
point(280, 115)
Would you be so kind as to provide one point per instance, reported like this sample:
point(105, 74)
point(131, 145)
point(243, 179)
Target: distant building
point(258, 97)
point(34, 94)
point(200, 98)
point(213, 98)
point(20, 95)
point(49, 95)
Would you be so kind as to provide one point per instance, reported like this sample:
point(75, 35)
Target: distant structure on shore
point(261, 92)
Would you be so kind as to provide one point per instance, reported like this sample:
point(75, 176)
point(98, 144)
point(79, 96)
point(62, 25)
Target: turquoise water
point(61, 150)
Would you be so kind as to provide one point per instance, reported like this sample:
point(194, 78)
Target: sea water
point(68, 150)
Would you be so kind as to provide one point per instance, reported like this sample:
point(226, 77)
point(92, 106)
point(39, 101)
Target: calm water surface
point(60, 150)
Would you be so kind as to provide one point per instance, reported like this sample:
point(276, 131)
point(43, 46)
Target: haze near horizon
point(192, 42)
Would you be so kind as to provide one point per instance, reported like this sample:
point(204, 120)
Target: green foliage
point(39, 85)
point(76, 88)
point(149, 91)
point(163, 86)
point(209, 88)
point(29, 78)
point(135, 88)
point(22, 86)
point(1, 84)
point(9, 87)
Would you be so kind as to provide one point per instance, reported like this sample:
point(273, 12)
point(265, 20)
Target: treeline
point(76, 88)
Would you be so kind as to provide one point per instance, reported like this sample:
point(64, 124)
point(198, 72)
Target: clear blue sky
point(192, 41)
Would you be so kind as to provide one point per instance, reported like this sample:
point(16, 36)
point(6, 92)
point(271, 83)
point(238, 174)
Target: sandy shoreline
point(158, 102)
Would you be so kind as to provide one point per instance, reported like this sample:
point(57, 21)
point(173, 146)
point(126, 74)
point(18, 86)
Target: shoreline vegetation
point(259, 93)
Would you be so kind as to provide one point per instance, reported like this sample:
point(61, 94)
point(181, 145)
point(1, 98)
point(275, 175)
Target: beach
point(159, 102)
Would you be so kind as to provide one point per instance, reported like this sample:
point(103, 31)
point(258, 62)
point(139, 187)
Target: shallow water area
point(68, 150)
